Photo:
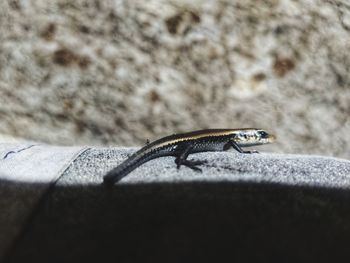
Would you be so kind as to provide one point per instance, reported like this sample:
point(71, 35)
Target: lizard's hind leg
point(181, 159)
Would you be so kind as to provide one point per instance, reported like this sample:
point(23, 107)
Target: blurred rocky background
point(119, 72)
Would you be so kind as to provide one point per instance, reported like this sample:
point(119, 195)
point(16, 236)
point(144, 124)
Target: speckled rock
point(121, 72)
point(276, 205)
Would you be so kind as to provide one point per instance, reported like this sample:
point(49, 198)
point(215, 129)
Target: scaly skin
point(181, 145)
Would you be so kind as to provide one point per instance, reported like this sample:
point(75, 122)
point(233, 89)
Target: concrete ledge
point(241, 206)
point(301, 170)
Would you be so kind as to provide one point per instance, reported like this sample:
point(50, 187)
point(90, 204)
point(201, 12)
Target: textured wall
point(119, 72)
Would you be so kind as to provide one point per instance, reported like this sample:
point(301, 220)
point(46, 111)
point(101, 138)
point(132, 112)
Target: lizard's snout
point(272, 138)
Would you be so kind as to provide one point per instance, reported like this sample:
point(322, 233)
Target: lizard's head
point(252, 137)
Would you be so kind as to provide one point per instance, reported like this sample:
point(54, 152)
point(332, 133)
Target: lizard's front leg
point(235, 146)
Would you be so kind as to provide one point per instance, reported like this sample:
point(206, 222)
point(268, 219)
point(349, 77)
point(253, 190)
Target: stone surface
point(240, 207)
point(121, 72)
point(27, 171)
point(294, 170)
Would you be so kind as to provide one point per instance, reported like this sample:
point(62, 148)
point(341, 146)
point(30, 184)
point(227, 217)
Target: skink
point(181, 145)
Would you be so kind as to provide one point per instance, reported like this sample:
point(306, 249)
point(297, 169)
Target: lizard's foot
point(250, 152)
point(190, 164)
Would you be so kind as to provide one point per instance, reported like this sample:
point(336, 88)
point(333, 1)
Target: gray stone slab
point(27, 170)
point(240, 206)
point(301, 170)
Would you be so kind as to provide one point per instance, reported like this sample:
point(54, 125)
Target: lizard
point(182, 145)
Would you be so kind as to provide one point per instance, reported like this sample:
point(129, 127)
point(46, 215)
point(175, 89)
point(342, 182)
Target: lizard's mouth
point(270, 138)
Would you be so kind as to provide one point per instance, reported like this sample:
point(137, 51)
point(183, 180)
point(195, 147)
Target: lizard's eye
point(263, 134)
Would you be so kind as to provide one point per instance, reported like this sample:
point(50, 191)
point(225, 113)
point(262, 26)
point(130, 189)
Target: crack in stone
point(20, 150)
